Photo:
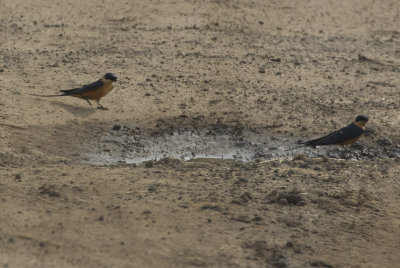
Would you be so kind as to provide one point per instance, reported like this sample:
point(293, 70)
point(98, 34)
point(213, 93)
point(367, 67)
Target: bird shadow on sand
point(76, 110)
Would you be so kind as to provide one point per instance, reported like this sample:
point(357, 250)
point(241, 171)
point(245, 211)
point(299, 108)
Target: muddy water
point(128, 146)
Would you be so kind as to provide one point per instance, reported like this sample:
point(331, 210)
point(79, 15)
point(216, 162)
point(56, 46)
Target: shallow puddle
point(128, 146)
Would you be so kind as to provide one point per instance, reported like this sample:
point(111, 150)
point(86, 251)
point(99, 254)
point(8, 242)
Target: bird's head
point(110, 76)
point(361, 121)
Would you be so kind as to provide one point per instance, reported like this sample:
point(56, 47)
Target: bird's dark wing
point(84, 89)
point(337, 137)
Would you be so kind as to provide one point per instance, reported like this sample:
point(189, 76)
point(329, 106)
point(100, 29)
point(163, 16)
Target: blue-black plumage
point(343, 136)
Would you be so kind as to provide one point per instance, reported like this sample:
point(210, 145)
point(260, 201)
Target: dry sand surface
point(244, 80)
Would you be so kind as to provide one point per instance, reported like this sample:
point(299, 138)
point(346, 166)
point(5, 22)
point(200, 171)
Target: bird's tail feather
point(38, 95)
point(66, 91)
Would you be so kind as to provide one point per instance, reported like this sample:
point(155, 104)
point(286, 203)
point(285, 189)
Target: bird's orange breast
point(350, 141)
point(98, 93)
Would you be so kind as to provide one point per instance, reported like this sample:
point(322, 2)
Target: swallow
point(344, 136)
point(93, 91)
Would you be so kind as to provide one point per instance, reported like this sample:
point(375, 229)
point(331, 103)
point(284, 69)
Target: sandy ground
point(286, 70)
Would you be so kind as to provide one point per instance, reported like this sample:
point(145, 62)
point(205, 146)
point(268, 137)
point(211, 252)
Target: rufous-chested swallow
point(93, 91)
point(344, 136)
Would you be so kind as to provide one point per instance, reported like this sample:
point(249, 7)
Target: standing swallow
point(344, 136)
point(93, 91)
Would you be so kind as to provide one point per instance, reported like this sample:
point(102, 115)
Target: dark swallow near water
point(344, 136)
point(94, 91)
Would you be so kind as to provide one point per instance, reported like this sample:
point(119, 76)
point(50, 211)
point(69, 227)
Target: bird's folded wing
point(86, 88)
point(339, 136)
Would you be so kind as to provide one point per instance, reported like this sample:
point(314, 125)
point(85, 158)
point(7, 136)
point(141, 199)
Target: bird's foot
point(102, 108)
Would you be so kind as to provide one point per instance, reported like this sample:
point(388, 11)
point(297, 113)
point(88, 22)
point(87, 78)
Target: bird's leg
point(101, 107)
point(87, 99)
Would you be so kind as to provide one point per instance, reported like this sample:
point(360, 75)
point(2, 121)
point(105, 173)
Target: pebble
point(384, 141)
